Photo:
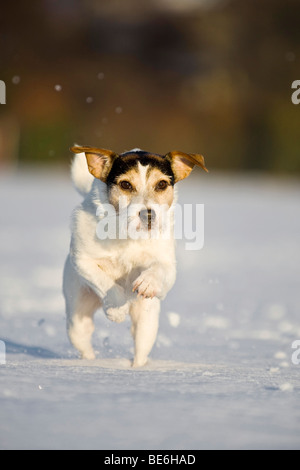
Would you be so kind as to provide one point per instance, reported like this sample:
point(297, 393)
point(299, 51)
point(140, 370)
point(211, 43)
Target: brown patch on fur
point(164, 196)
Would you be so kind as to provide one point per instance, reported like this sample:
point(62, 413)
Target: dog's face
point(143, 183)
point(140, 181)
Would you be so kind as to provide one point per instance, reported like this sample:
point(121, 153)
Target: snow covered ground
point(220, 375)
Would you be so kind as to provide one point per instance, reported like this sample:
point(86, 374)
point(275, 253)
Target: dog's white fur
point(104, 273)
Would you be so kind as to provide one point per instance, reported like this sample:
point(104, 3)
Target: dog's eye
point(161, 185)
point(126, 185)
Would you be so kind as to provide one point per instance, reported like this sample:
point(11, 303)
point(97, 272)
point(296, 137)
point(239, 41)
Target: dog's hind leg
point(80, 324)
point(81, 304)
point(145, 319)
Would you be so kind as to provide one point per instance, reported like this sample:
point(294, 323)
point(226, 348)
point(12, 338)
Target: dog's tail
point(81, 177)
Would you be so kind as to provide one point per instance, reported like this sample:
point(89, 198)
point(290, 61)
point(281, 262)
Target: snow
point(221, 373)
point(174, 319)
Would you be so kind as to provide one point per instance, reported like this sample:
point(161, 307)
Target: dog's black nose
point(147, 216)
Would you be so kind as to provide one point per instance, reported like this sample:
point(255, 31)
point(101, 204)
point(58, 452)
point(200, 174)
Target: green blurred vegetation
point(205, 76)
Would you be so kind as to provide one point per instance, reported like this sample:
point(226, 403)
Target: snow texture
point(220, 375)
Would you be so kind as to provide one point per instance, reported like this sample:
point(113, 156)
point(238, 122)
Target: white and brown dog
point(124, 275)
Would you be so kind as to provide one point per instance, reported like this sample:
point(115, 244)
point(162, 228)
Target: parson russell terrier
point(125, 275)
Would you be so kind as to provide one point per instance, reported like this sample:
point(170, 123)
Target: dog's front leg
point(155, 281)
point(115, 304)
point(114, 300)
point(145, 319)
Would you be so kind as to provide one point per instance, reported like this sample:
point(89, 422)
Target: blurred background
point(206, 76)
point(200, 76)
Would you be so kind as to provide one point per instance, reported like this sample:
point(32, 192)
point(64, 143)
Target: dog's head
point(141, 180)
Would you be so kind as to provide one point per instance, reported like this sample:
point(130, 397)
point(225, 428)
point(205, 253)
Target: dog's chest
point(125, 259)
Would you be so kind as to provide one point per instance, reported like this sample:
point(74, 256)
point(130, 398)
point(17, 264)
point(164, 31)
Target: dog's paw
point(116, 305)
point(117, 314)
point(88, 354)
point(147, 285)
point(139, 362)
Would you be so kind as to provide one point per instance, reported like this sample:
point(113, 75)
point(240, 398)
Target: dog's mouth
point(147, 218)
point(138, 221)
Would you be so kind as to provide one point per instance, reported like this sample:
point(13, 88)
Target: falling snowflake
point(16, 80)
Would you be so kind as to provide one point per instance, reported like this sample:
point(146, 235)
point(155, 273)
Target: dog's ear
point(183, 163)
point(99, 160)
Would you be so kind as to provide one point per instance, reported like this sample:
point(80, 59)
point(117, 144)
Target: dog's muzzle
point(148, 217)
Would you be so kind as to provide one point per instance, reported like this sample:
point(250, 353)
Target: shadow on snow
point(35, 351)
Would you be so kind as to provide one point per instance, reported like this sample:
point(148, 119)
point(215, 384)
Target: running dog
point(125, 275)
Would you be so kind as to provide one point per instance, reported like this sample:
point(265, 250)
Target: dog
point(123, 275)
